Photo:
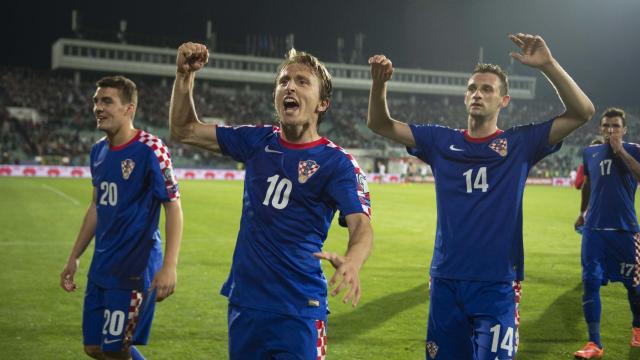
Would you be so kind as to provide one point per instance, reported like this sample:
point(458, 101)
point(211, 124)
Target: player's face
point(482, 97)
point(612, 125)
point(297, 96)
point(111, 114)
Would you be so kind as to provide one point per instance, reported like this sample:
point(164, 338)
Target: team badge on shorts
point(127, 168)
point(499, 146)
point(306, 169)
point(432, 349)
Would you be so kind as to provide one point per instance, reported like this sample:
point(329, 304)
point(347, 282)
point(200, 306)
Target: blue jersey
point(291, 193)
point(131, 181)
point(479, 188)
point(613, 188)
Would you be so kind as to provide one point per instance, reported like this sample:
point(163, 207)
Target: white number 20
point(109, 193)
point(113, 322)
point(280, 189)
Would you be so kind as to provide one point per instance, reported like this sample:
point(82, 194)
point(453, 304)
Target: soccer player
point(132, 176)
point(480, 175)
point(610, 237)
point(295, 181)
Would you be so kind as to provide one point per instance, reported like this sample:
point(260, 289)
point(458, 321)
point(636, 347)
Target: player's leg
point(593, 260)
point(493, 308)
point(246, 328)
point(632, 284)
point(127, 321)
point(448, 332)
point(293, 338)
point(92, 320)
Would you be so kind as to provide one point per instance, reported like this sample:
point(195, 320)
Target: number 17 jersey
point(479, 188)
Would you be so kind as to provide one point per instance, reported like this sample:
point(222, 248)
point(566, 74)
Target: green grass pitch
point(40, 219)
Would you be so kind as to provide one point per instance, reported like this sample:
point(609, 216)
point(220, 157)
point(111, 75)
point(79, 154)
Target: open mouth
point(290, 105)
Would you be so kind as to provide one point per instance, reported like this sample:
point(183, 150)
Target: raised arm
point(86, 233)
point(348, 266)
point(165, 279)
point(379, 120)
point(578, 108)
point(183, 120)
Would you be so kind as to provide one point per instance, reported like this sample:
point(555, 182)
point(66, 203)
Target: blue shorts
point(610, 255)
point(116, 318)
point(473, 320)
point(261, 335)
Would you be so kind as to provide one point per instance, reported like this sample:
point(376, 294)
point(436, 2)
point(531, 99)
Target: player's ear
point(323, 106)
point(505, 101)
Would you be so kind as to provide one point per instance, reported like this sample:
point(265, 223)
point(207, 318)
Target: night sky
point(597, 42)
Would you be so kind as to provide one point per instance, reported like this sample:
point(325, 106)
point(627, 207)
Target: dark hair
point(497, 70)
point(127, 89)
point(613, 112)
point(316, 66)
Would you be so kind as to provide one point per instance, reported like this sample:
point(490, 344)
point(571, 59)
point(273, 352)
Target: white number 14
point(480, 182)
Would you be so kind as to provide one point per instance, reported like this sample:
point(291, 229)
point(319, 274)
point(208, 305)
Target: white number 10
point(280, 195)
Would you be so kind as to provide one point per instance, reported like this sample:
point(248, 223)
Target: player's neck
point(299, 134)
point(482, 127)
point(121, 136)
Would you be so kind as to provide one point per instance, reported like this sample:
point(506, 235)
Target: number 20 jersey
point(479, 188)
point(291, 193)
point(131, 182)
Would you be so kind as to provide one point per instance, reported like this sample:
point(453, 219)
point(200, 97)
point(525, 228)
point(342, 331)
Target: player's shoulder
point(151, 141)
point(632, 145)
point(342, 155)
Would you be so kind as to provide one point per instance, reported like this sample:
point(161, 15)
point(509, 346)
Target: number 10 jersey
point(291, 193)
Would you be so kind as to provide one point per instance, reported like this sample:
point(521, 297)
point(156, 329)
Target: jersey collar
point(482, 139)
point(120, 147)
point(322, 141)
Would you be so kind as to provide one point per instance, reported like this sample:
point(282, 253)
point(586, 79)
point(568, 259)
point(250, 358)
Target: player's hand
point(66, 277)
point(534, 51)
point(579, 222)
point(615, 140)
point(191, 57)
point(381, 68)
point(347, 275)
point(164, 282)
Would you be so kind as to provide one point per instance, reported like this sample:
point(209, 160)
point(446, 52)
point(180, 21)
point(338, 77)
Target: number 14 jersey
point(479, 188)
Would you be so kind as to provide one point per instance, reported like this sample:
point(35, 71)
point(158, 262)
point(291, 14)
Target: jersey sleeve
point(424, 138)
point(585, 168)
point(349, 190)
point(633, 150)
point(537, 137)
point(163, 180)
point(92, 159)
point(239, 142)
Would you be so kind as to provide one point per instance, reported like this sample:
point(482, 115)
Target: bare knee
point(94, 351)
point(117, 355)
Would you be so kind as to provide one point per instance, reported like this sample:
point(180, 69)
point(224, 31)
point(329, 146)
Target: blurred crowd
point(63, 129)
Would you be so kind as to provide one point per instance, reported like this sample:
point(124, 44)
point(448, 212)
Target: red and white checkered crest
point(499, 146)
point(306, 168)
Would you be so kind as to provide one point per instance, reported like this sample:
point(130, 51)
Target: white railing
point(121, 58)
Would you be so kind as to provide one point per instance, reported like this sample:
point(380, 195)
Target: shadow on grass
point(346, 326)
point(562, 322)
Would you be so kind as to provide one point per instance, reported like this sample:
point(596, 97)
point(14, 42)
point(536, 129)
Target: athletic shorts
point(116, 318)
point(261, 335)
point(611, 255)
point(472, 320)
